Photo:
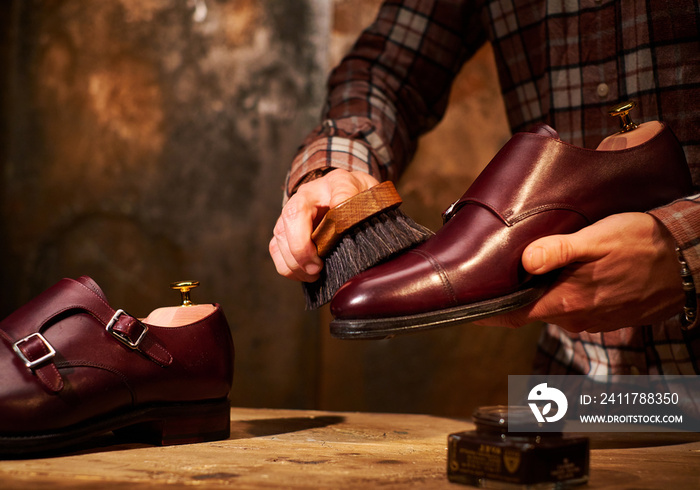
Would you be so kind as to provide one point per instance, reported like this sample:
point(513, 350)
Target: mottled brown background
point(146, 141)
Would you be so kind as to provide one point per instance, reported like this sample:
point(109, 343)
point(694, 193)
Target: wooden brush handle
point(349, 213)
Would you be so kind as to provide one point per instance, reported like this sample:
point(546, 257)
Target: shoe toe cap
point(406, 285)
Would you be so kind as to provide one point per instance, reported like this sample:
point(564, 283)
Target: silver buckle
point(27, 362)
point(449, 212)
point(122, 338)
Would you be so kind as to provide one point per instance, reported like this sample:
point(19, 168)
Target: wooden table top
point(314, 449)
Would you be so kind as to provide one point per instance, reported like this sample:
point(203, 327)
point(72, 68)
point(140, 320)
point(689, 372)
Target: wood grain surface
point(312, 449)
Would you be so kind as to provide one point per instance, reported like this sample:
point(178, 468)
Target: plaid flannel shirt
point(563, 62)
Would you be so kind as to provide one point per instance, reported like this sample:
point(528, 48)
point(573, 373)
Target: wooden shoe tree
point(178, 316)
point(630, 134)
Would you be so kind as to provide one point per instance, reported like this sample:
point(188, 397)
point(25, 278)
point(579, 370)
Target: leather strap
point(37, 354)
point(538, 128)
point(23, 329)
point(134, 334)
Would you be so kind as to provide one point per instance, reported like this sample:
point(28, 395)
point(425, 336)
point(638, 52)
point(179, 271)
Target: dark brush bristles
point(361, 247)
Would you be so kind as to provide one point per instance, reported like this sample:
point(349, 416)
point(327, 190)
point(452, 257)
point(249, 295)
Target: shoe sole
point(386, 328)
point(163, 424)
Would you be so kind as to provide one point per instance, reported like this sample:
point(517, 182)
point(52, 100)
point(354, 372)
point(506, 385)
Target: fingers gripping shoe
point(73, 367)
point(537, 185)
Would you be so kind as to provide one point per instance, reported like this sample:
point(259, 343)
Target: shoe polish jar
point(492, 457)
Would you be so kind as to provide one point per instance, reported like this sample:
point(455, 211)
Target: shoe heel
point(182, 424)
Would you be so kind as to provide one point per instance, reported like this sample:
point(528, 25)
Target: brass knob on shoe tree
point(622, 111)
point(184, 287)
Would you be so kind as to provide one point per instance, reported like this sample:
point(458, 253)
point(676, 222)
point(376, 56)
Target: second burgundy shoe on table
point(537, 185)
point(71, 368)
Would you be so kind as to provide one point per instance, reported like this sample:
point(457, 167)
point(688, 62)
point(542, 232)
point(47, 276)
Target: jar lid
point(497, 417)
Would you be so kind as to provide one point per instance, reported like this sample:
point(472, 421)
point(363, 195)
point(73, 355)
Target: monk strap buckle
point(27, 362)
point(450, 212)
point(124, 339)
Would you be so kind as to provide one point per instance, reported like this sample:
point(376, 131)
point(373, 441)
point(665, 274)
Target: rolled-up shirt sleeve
point(392, 87)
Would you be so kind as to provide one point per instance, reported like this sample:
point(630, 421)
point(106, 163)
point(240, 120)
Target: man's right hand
point(291, 247)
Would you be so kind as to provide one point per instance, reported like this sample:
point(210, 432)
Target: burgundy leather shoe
point(535, 186)
point(71, 367)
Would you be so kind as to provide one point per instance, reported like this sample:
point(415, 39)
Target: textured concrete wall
point(146, 141)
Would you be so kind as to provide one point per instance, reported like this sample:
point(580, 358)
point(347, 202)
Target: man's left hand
point(618, 272)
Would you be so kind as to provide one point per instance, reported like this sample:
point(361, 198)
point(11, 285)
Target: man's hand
point(621, 271)
point(291, 247)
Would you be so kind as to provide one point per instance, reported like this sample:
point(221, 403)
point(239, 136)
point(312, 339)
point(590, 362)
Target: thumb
point(553, 252)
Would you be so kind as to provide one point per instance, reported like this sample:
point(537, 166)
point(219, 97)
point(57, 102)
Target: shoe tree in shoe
point(185, 314)
point(630, 134)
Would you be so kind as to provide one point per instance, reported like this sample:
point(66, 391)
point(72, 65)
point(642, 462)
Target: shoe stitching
point(445, 281)
point(156, 352)
point(510, 221)
point(483, 204)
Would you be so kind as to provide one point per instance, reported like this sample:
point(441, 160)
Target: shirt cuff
point(330, 152)
point(682, 219)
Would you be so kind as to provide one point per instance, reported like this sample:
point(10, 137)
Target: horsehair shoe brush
point(357, 234)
